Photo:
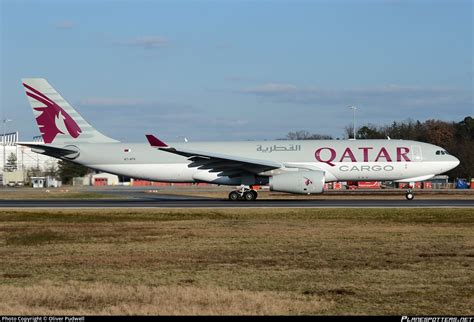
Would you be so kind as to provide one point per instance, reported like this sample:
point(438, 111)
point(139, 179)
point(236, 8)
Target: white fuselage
point(341, 160)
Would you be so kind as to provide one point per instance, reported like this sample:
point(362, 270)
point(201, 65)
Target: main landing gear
point(244, 193)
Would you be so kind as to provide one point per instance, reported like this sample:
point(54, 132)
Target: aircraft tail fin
point(58, 121)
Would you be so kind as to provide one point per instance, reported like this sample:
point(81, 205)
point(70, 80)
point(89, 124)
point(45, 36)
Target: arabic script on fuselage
point(279, 148)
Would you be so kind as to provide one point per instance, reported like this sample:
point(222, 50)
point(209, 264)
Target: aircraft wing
point(225, 165)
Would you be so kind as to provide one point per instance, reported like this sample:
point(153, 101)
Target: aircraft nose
point(454, 163)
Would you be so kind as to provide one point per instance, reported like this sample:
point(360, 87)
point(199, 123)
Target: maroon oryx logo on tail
point(307, 181)
point(53, 120)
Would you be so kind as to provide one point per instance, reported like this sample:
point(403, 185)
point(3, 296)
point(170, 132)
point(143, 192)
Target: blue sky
point(239, 70)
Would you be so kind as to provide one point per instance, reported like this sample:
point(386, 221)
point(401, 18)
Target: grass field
point(237, 261)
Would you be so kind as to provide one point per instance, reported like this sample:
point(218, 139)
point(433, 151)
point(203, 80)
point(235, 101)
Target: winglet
point(155, 142)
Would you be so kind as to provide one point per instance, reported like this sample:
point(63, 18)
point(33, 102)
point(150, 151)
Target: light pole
point(353, 108)
point(4, 121)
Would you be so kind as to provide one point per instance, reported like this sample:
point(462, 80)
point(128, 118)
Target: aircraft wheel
point(250, 195)
point(234, 195)
point(409, 195)
point(256, 194)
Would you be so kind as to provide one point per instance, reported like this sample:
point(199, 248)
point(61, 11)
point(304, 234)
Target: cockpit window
point(442, 152)
point(438, 152)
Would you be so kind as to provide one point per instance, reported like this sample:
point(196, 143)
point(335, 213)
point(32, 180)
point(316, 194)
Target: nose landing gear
point(409, 194)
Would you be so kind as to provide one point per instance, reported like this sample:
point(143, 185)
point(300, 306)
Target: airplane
point(299, 167)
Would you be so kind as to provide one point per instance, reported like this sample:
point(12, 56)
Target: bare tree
point(305, 135)
point(348, 131)
point(51, 169)
point(11, 163)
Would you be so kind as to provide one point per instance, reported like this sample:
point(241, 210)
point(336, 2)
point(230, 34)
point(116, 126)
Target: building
point(45, 182)
point(104, 179)
point(26, 158)
point(98, 179)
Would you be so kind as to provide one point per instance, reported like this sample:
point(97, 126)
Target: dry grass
point(237, 261)
point(112, 299)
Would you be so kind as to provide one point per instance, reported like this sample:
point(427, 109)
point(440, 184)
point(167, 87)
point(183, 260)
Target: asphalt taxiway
point(193, 202)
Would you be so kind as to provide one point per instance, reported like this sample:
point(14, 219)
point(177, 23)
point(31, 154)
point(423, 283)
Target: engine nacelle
point(305, 182)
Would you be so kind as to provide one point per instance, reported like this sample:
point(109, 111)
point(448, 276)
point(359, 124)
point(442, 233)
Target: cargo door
point(416, 155)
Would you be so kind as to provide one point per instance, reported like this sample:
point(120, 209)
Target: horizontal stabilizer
point(51, 150)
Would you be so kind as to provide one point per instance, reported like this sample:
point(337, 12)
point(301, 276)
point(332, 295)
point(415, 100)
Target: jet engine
point(305, 182)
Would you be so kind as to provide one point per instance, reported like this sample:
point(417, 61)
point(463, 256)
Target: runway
point(190, 202)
